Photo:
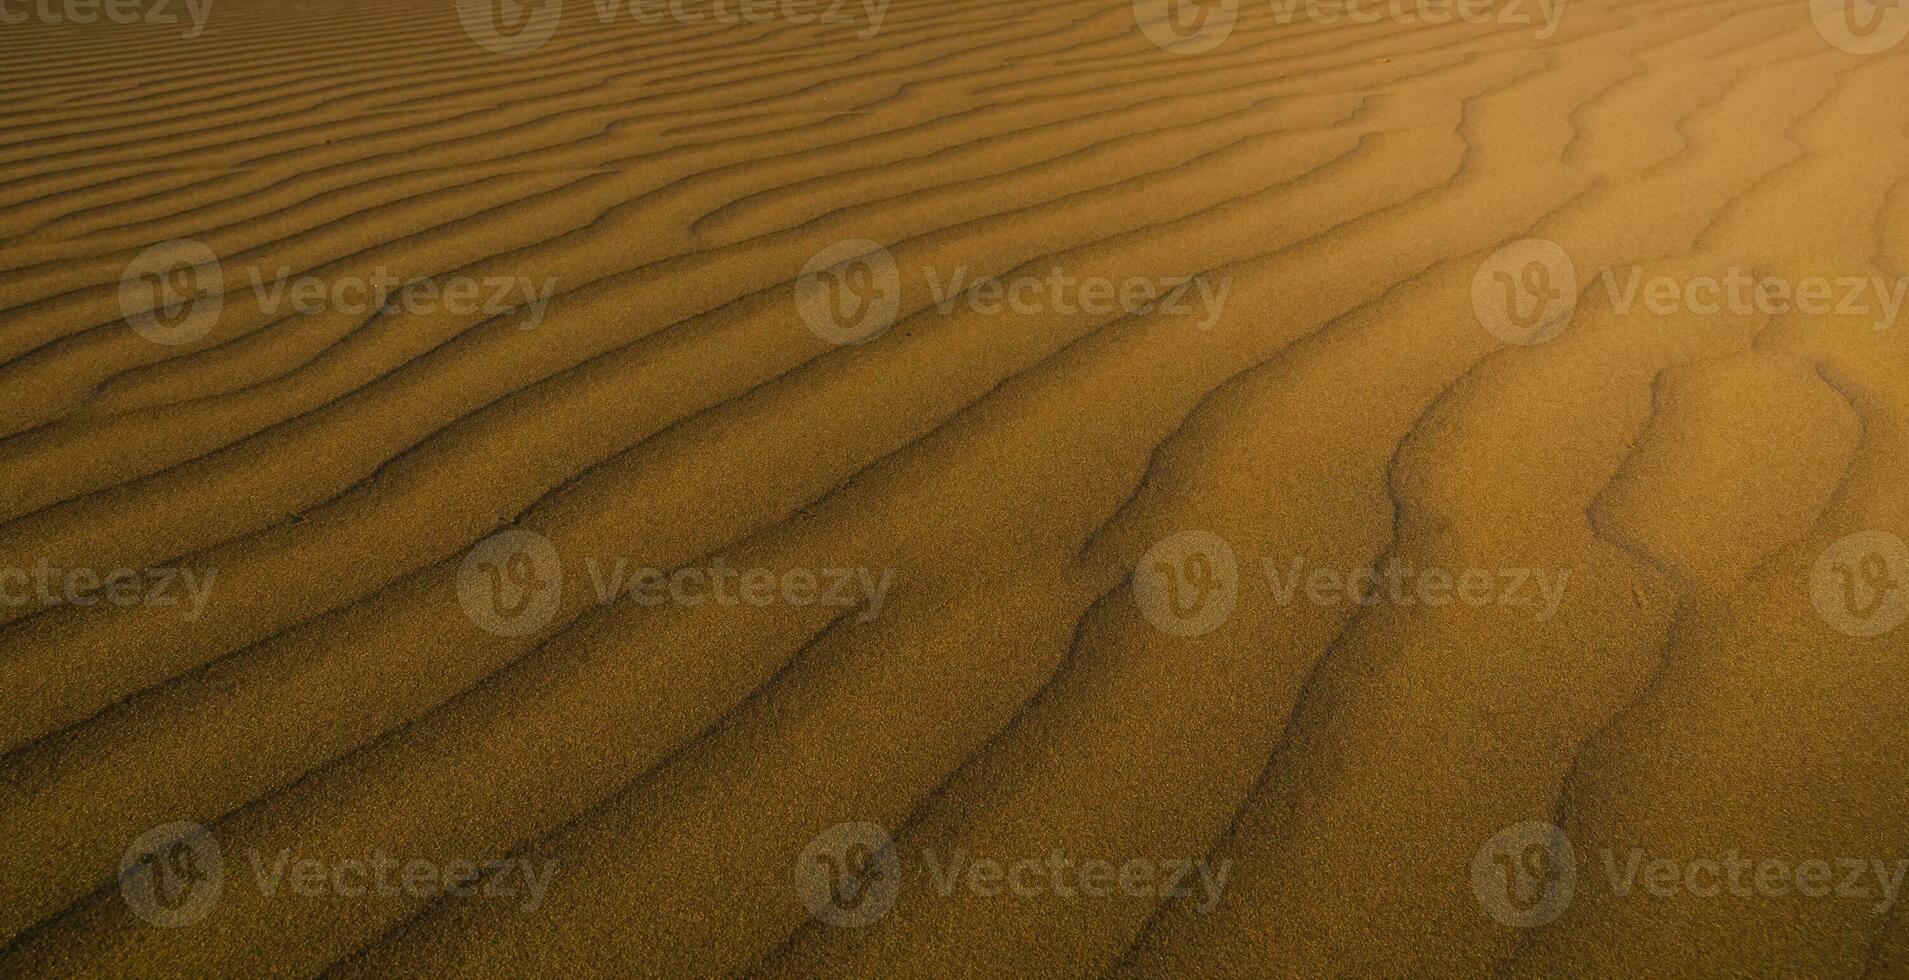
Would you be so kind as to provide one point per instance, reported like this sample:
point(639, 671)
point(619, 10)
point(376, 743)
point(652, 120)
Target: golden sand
point(1337, 541)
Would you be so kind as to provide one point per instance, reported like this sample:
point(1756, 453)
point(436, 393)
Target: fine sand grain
point(1046, 581)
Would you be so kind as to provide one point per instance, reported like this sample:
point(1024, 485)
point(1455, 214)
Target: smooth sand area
point(943, 488)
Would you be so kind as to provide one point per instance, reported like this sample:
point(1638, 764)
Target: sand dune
point(966, 488)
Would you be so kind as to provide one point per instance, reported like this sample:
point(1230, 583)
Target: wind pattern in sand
point(1004, 496)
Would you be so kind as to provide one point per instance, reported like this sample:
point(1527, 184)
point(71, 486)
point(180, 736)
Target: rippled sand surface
point(954, 488)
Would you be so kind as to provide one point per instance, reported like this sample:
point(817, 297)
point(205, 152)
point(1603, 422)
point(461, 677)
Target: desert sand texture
point(954, 488)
